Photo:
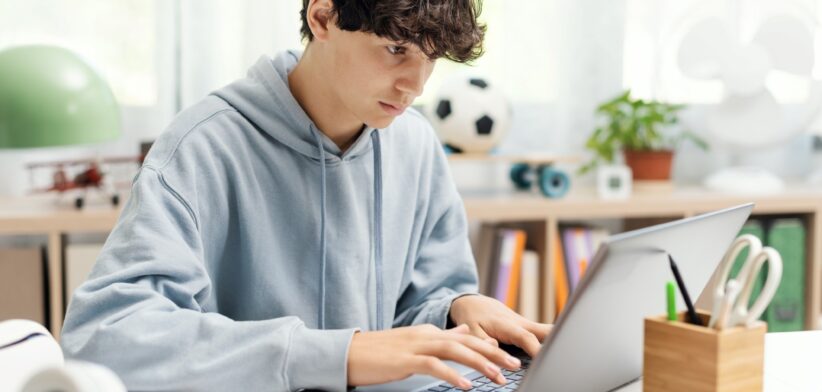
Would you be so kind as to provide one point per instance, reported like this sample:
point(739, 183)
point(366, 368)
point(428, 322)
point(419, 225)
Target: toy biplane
point(83, 175)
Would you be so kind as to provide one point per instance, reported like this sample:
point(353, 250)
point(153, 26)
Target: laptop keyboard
point(484, 384)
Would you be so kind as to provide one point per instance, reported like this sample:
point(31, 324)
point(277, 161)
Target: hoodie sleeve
point(445, 268)
point(140, 313)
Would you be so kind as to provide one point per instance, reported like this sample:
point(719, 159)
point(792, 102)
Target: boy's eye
point(396, 49)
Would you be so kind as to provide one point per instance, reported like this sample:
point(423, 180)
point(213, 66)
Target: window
point(518, 52)
point(116, 37)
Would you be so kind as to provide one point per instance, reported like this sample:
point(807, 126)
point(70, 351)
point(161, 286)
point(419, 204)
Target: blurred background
point(556, 61)
point(576, 88)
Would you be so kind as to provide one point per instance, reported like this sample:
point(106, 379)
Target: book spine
point(486, 251)
point(511, 297)
point(560, 274)
point(529, 286)
point(581, 253)
point(571, 265)
point(504, 265)
point(787, 310)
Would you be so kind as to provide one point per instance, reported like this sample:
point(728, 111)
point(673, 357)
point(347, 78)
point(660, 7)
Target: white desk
point(793, 363)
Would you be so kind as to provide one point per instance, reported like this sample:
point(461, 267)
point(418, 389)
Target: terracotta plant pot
point(650, 165)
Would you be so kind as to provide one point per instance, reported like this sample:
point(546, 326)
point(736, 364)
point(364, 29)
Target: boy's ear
point(319, 16)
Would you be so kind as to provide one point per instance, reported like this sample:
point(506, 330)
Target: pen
point(671, 296)
point(684, 291)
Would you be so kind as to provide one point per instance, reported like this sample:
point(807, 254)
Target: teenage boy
point(299, 229)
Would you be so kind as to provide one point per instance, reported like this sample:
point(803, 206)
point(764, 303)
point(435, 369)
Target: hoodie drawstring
point(375, 137)
point(319, 141)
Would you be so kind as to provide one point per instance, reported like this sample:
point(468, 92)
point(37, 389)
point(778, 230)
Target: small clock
point(614, 182)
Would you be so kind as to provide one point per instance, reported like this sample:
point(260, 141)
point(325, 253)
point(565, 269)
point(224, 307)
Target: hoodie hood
point(265, 98)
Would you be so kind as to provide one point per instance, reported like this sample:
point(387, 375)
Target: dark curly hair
point(440, 28)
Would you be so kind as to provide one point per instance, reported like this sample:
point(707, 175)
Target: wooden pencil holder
point(679, 356)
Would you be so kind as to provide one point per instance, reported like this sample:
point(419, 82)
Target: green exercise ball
point(49, 96)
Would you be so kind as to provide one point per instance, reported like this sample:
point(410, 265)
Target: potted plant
point(642, 131)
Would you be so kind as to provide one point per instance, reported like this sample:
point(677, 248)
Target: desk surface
point(792, 363)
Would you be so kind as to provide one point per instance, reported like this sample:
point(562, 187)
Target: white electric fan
point(749, 119)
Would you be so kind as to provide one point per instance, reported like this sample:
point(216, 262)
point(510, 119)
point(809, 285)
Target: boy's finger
point(435, 367)
point(539, 330)
point(477, 331)
point(462, 328)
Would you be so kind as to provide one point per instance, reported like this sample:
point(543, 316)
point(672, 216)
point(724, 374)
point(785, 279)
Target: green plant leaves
point(634, 124)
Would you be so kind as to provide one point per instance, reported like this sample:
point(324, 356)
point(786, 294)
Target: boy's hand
point(494, 322)
point(395, 354)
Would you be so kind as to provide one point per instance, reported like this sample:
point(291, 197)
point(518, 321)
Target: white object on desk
point(32, 361)
point(75, 376)
point(26, 348)
point(791, 363)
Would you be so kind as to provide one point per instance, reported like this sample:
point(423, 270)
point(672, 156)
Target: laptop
point(596, 344)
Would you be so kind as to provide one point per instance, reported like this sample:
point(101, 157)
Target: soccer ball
point(470, 115)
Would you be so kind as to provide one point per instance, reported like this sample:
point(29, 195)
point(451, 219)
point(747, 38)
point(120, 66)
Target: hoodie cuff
point(318, 359)
point(440, 315)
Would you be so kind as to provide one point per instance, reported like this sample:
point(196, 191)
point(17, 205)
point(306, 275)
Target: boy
point(281, 228)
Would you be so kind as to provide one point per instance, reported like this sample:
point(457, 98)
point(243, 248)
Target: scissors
point(731, 297)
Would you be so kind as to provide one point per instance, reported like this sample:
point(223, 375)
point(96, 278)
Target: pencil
point(692, 317)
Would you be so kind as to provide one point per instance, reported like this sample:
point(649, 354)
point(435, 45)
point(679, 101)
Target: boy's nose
point(414, 80)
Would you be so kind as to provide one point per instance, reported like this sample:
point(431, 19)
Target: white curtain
point(221, 39)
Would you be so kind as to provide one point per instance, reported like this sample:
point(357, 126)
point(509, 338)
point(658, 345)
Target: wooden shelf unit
point(41, 216)
point(541, 217)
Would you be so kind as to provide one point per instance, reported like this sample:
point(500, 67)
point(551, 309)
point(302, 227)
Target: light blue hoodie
point(252, 248)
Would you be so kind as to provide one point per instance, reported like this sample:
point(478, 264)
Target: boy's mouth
point(394, 110)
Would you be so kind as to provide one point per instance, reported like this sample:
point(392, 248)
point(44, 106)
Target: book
point(560, 274)
point(580, 244)
point(485, 251)
point(598, 237)
point(529, 286)
point(595, 237)
point(502, 266)
point(508, 266)
point(511, 298)
point(496, 256)
point(572, 256)
point(787, 310)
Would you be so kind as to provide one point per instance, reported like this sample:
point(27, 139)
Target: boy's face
point(373, 78)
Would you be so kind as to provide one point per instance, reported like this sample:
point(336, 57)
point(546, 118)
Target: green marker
point(671, 290)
